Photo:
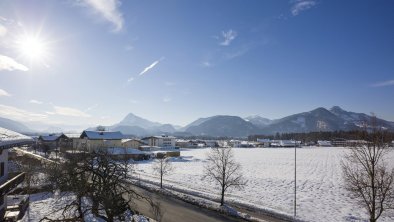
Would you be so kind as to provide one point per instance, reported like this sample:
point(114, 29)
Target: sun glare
point(32, 48)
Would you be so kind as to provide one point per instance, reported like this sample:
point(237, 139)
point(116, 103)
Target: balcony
point(13, 180)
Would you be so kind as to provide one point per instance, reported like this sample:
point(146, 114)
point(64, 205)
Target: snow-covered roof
point(324, 143)
point(159, 137)
point(263, 140)
point(8, 137)
point(121, 150)
point(127, 140)
point(72, 135)
point(51, 137)
point(102, 135)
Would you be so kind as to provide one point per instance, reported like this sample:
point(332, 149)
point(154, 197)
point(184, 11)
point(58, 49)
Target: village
point(52, 147)
point(196, 111)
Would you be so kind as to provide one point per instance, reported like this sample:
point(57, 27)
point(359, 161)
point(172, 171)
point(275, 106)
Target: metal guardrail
point(11, 183)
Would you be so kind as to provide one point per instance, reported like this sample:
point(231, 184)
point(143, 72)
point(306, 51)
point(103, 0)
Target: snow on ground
point(49, 205)
point(270, 176)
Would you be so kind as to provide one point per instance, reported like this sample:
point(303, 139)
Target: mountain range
point(320, 119)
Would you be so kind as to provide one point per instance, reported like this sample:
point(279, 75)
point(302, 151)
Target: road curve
point(176, 210)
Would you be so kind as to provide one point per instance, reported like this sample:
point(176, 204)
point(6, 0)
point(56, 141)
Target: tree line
point(315, 136)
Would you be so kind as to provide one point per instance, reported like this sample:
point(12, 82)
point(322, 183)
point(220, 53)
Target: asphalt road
point(176, 210)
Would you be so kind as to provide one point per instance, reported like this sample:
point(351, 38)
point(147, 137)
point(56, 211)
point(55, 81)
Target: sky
point(90, 62)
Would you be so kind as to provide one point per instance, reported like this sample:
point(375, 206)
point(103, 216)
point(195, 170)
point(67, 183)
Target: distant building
point(235, 143)
point(339, 142)
point(263, 142)
point(160, 141)
point(285, 143)
point(324, 143)
point(91, 140)
point(55, 141)
point(8, 182)
point(122, 153)
point(190, 143)
point(211, 143)
point(347, 143)
point(132, 143)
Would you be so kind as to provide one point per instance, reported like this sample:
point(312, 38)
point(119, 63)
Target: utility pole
point(295, 178)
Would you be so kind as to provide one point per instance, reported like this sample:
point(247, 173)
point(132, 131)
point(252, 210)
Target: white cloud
point(4, 93)
point(109, 10)
point(301, 5)
point(7, 63)
point(3, 30)
point(385, 83)
point(67, 111)
point(35, 101)
point(150, 66)
point(228, 37)
point(20, 114)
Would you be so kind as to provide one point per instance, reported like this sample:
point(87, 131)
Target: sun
point(32, 48)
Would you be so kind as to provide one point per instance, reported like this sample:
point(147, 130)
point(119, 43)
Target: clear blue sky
point(92, 62)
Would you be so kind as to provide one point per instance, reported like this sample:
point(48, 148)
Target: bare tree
point(366, 174)
point(223, 170)
point(99, 184)
point(162, 166)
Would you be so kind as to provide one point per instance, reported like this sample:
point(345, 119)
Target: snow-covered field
point(270, 176)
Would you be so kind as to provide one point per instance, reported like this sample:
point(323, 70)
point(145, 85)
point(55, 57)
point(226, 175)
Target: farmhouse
point(91, 140)
point(285, 143)
point(132, 143)
point(8, 182)
point(324, 143)
point(263, 142)
point(162, 141)
point(54, 141)
point(190, 143)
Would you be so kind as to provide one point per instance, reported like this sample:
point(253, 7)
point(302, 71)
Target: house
point(324, 143)
point(132, 143)
point(211, 143)
point(263, 142)
point(339, 142)
point(163, 141)
point(285, 143)
point(235, 143)
point(8, 182)
point(190, 143)
point(92, 140)
point(54, 141)
point(122, 153)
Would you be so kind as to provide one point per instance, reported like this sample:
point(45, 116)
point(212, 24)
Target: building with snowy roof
point(132, 143)
point(55, 141)
point(8, 182)
point(324, 143)
point(162, 141)
point(91, 140)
